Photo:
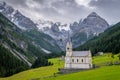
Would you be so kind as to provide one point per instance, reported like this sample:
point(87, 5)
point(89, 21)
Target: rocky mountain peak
point(93, 14)
point(55, 27)
point(16, 17)
point(88, 28)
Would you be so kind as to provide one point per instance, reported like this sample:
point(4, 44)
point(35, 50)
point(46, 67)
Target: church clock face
point(67, 48)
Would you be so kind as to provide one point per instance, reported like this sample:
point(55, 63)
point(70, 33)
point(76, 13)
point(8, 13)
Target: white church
point(77, 59)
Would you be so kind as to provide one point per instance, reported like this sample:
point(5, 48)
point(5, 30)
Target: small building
point(100, 53)
point(62, 58)
point(77, 59)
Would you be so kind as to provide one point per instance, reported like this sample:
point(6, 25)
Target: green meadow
point(104, 72)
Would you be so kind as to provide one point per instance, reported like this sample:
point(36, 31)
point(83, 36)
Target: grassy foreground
point(47, 73)
point(103, 73)
point(38, 73)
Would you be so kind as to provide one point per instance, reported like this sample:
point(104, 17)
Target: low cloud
point(67, 11)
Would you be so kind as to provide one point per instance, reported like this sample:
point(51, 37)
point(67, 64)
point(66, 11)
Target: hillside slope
point(21, 46)
point(15, 46)
point(108, 41)
point(16, 42)
point(9, 64)
point(43, 41)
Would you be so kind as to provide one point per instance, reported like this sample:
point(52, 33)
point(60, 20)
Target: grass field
point(106, 58)
point(47, 73)
point(35, 74)
point(103, 73)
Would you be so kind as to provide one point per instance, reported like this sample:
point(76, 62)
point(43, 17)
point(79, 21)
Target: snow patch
point(23, 57)
point(23, 28)
point(17, 54)
point(46, 51)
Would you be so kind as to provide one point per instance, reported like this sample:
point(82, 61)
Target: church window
point(72, 60)
point(82, 60)
point(77, 60)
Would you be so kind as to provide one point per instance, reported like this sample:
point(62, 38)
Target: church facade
point(77, 59)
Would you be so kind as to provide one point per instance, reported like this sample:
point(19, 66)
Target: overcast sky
point(67, 11)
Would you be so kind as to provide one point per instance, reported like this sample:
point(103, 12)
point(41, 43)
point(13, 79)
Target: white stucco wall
point(76, 62)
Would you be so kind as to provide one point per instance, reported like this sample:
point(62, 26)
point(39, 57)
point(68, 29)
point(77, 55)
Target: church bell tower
point(69, 47)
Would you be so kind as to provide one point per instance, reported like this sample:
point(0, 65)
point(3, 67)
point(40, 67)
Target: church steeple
point(69, 46)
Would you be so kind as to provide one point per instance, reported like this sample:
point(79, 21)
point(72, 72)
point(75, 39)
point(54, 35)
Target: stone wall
point(66, 71)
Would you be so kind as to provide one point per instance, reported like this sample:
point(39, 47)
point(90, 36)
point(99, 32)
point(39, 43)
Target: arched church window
point(77, 60)
point(72, 60)
point(82, 60)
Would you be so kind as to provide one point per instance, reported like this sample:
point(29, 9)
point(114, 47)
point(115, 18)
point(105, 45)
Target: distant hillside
point(43, 41)
point(108, 41)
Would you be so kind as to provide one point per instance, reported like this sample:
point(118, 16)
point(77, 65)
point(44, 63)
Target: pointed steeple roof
point(69, 37)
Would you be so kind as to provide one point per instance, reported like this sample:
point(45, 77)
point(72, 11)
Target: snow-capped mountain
point(56, 30)
point(43, 25)
point(16, 17)
point(29, 28)
point(80, 31)
point(87, 28)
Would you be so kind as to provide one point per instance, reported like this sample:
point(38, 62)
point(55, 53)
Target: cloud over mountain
point(67, 10)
